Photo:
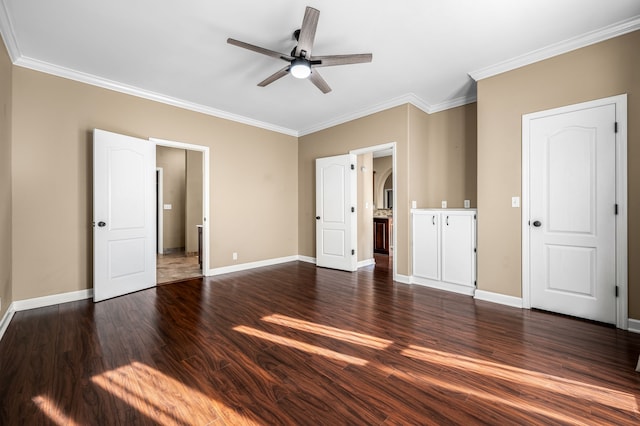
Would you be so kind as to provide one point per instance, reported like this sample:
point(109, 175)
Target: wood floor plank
point(293, 344)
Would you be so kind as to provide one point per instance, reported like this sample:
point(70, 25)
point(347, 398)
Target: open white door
point(336, 219)
point(124, 243)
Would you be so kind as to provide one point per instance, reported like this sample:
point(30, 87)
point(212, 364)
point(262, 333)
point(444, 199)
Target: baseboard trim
point(441, 285)
point(6, 319)
point(502, 299)
point(54, 299)
point(366, 262)
point(251, 265)
point(404, 279)
point(634, 325)
point(307, 259)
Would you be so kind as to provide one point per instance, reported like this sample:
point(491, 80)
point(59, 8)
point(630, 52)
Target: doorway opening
point(377, 193)
point(182, 210)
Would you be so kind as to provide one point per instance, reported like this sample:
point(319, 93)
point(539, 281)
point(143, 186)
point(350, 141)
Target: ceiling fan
point(301, 64)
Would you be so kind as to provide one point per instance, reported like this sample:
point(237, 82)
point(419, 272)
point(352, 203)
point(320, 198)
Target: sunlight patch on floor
point(163, 399)
point(305, 347)
point(327, 331)
point(52, 411)
point(547, 382)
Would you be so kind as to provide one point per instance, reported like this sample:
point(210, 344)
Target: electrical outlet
point(414, 204)
point(444, 204)
point(515, 201)
point(234, 256)
point(467, 204)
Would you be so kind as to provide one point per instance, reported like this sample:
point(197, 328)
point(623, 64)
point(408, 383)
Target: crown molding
point(8, 35)
point(602, 34)
point(93, 80)
point(453, 103)
point(408, 98)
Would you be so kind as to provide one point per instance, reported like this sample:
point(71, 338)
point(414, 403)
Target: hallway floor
point(176, 267)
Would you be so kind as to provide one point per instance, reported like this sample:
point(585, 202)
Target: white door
point(336, 218)
point(426, 245)
point(124, 215)
point(572, 220)
point(458, 245)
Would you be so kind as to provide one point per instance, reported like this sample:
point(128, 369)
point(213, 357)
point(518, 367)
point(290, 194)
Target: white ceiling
point(424, 51)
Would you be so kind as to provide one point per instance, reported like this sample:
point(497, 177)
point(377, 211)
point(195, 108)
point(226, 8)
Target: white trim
point(48, 68)
point(251, 265)
point(502, 299)
point(160, 210)
point(451, 103)
point(633, 325)
point(366, 262)
point(205, 192)
point(394, 168)
point(583, 40)
point(442, 285)
point(307, 259)
point(620, 101)
point(6, 319)
point(404, 279)
point(54, 299)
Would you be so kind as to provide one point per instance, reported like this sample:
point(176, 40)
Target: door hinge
point(617, 291)
point(353, 209)
point(615, 209)
point(615, 127)
point(474, 217)
point(475, 250)
point(475, 283)
point(353, 167)
point(353, 252)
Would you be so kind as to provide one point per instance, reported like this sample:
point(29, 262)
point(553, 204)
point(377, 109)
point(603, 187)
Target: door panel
point(458, 243)
point(572, 187)
point(335, 220)
point(124, 215)
point(426, 245)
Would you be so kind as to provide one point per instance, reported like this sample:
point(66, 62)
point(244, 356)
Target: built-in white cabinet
point(444, 249)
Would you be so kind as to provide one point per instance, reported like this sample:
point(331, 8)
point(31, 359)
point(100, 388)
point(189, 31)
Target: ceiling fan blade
point(307, 31)
point(317, 79)
point(275, 76)
point(331, 60)
point(259, 49)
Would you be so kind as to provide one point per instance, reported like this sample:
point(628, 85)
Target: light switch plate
point(167, 207)
point(515, 201)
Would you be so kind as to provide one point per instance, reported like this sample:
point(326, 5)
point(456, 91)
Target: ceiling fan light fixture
point(300, 68)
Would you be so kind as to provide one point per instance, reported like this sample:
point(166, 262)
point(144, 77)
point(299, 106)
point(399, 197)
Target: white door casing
point(336, 219)
point(124, 238)
point(572, 185)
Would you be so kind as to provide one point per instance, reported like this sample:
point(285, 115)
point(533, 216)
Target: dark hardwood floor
point(296, 344)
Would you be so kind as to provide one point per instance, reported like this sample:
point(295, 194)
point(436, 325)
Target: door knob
point(537, 224)
point(101, 224)
point(318, 217)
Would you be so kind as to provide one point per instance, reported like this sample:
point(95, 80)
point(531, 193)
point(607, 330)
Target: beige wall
point(421, 173)
point(376, 129)
point(5, 181)
point(365, 206)
point(52, 122)
point(193, 199)
point(605, 69)
point(443, 157)
point(173, 162)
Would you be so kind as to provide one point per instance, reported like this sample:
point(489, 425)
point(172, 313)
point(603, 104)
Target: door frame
point(205, 193)
point(620, 102)
point(159, 210)
point(384, 147)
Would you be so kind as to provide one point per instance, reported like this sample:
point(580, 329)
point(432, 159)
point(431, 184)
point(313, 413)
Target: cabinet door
point(458, 244)
point(426, 241)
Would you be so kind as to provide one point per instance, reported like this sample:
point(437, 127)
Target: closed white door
point(336, 188)
point(426, 245)
point(458, 245)
point(124, 238)
point(572, 220)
